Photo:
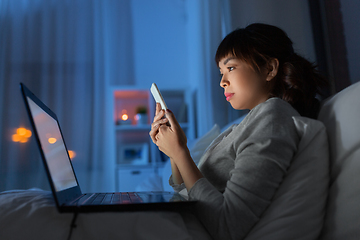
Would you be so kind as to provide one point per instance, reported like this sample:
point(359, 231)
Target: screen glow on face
point(53, 147)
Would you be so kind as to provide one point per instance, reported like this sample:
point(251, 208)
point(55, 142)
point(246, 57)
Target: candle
point(124, 118)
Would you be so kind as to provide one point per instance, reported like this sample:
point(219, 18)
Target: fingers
point(153, 133)
point(156, 133)
point(172, 120)
point(175, 127)
point(155, 126)
point(158, 108)
point(158, 120)
point(159, 113)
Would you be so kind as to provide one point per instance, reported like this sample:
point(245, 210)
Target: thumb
point(172, 120)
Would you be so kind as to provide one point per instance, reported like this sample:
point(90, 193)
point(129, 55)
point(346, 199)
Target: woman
point(240, 172)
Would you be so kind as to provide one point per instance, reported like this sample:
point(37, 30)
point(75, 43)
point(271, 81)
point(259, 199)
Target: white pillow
point(341, 115)
point(197, 148)
point(298, 207)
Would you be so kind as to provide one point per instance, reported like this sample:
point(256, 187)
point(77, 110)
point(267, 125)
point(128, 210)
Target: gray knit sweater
point(242, 169)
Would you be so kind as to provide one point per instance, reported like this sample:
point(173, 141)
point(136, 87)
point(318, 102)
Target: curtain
point(210, 22)
point(66, 53)
point(70, 53)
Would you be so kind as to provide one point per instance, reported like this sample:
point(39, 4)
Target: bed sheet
point(31, 214)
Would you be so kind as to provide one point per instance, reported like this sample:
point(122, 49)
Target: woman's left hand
point(171, 140)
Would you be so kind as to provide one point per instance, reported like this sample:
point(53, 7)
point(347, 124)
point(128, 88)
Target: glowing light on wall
point(22, 135)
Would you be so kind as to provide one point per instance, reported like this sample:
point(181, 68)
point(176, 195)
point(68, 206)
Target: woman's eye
point(230, 68)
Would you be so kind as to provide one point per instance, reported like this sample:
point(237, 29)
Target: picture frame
point(134, 154)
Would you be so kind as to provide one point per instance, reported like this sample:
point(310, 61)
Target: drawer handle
point(135, 172)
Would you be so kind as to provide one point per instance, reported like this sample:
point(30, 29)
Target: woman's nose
point(223, 82)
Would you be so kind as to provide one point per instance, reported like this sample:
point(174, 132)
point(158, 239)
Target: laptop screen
point(53, 147)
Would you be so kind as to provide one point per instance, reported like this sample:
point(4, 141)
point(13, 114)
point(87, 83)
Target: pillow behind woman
point(298, 207)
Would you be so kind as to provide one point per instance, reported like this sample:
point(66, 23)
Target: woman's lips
point(228, 96)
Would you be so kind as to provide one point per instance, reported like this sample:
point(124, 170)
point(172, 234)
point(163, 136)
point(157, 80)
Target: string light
point(22, 135)
point(72, 154)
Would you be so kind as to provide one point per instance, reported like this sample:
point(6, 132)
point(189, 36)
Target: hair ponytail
point(297, 81)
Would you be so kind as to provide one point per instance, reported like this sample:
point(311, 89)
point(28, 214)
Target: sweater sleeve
point(176, 187)
point(262, 153)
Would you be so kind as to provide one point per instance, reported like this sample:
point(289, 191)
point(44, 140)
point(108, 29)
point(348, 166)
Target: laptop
point(62, 178)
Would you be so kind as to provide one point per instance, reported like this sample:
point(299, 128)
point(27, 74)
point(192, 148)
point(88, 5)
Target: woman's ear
point(273, 67)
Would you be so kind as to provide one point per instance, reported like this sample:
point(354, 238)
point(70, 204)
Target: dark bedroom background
point(73, 53)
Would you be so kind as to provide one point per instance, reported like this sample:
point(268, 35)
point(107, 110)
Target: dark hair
point(297, 81)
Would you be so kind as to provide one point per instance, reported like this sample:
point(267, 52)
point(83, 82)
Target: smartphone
point(157, 96)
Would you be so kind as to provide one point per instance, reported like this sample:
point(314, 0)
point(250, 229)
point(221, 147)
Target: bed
point(31, 214)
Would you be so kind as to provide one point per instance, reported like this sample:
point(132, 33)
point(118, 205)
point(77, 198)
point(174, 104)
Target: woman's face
point(243, 87)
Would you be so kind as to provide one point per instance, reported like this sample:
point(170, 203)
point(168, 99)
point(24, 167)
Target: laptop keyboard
point(113, 198)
